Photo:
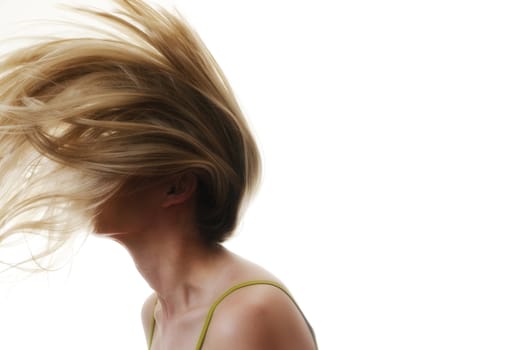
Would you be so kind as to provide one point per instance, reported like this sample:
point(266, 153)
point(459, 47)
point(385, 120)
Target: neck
point(177, 265)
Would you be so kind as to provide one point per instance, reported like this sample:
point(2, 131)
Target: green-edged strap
point(153, 325)
point(242, 285)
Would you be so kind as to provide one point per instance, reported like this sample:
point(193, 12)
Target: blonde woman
point(134, 133)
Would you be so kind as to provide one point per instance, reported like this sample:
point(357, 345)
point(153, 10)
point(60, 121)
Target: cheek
point(123, 215)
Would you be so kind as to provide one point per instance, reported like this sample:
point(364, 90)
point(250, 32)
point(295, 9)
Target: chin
point(100, 227)
point(106, 229)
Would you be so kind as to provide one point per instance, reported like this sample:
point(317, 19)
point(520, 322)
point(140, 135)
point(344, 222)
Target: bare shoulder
point(258, 317)
point(146, 314)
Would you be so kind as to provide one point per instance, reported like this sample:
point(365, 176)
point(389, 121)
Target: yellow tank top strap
point(205, 327)
point(152, 326)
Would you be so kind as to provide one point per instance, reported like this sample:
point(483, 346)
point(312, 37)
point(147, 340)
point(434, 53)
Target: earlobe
point(177, 194)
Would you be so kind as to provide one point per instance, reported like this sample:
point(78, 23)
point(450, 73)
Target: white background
point(394, 200)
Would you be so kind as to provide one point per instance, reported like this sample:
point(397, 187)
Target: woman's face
point(142, 203)
point(129, 210)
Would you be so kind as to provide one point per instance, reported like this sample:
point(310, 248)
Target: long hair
point(79, 117)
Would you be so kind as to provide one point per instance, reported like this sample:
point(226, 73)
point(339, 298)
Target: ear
point(180, 189)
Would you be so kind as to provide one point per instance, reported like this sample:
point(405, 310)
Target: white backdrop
point(394, 198)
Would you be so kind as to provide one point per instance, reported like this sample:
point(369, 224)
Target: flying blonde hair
point(79, 117)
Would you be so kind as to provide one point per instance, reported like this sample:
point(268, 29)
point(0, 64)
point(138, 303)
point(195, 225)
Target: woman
point(137, 133)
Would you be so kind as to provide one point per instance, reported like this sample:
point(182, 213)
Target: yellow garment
point(222, 297)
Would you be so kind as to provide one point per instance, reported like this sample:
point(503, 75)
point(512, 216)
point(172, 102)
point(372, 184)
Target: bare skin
point(157, 227)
